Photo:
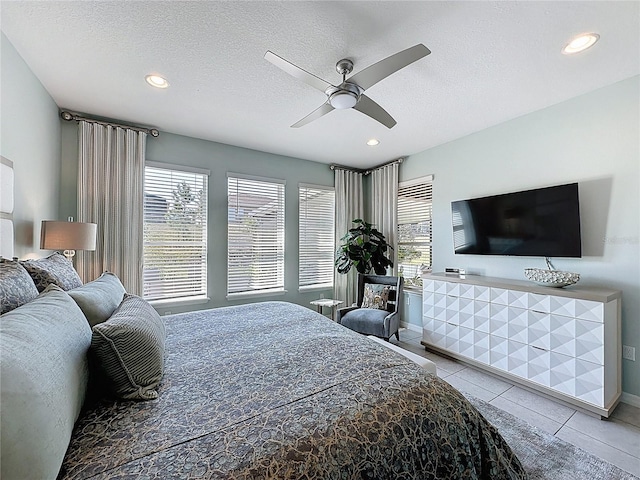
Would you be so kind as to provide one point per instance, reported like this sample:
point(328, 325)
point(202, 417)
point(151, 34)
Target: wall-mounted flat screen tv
point(541, 222)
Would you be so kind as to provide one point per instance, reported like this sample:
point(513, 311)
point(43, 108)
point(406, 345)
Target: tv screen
point(542, 222)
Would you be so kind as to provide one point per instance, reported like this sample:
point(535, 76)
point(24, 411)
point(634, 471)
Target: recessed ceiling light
point(580, 43)
point(373, 142)
point(156, 81)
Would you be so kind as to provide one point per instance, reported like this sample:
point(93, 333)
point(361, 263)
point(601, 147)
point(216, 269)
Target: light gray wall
point(30, 138)
point(594, 140)
point(220, 159)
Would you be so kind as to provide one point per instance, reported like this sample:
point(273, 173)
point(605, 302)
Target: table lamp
point(68, 236)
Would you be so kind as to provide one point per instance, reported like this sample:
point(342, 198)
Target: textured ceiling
point(490, 62)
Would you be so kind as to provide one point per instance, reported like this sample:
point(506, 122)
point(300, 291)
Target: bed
point(276, 390)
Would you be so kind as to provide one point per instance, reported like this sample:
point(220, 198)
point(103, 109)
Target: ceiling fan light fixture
point(372, 142)
point(343, 99)
point(580, 43)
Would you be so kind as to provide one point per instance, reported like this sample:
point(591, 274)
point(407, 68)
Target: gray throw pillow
point(130, 349)
point(16, 286)
point(43, 380)
point(99, 299)
point(54, 269)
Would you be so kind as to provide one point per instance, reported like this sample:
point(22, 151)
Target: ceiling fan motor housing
point(344, 66)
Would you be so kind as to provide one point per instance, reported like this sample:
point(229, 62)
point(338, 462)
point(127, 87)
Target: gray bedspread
point(275, 390)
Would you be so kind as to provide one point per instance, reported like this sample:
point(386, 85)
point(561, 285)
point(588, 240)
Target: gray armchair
point(373, 321)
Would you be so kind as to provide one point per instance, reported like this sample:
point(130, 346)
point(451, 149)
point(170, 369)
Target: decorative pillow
point(99, 299)
point(43, 381)
point(375, 296)
point(16, 286)
point(54, 269)
point(130, 349)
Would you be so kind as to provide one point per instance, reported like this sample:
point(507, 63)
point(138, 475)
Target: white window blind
point(414, 228)
point(316, 236)
point(255, 261)
point(175, 233)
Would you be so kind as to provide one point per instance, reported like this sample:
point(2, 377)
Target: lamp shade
point(67, 235)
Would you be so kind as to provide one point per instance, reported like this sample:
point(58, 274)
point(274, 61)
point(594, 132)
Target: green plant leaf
point(363, 247)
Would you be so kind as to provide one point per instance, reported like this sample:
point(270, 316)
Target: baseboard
point(411, 326)
point(629, 399)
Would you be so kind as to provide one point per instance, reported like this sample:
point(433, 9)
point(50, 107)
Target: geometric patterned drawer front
point(563, 335)
point(499, 296)
point(452, 337)
point(499, 320)
point(467, 312)
point(539, 330)
point(509, 322)
point(434, 332)
point(481, 293)
point(481, 315)
point(539, 303)
point(466, 291)
point(590, 382)
point(517, 325)
point(440, 287)
point(588, 310)
point(562, 373)
point(499, 353)
point(539, 366)
point(563, 306)
point(453, 289)
point(578, 378)
point(465, 342)
point(428, 304)
point(440, 307)
point(481, 347)
point(576, 308)
point(452, 313)
point(427, 325)
point(590, 341)
point(427, 285)
point(518, 299)
point(518, 359)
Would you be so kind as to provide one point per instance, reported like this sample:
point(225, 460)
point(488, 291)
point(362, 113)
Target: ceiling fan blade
point(369, 107)
point(378, 71)
point(317, 113)
point(297, 72)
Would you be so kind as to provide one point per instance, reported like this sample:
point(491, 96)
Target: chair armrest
point(389, 322)
point(343, 311)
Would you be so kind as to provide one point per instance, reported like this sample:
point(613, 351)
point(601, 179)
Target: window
point(255, 262)
point(175, 232)
point(414, 228)
point(316, 236)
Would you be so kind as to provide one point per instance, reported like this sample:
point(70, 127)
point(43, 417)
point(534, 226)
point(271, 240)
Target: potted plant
point(364, 248)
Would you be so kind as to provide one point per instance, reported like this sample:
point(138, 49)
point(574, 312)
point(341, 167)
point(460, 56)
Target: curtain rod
point(69, 116)
point(364, 171)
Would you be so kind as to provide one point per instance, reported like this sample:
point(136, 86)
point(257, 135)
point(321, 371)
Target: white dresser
point(561, 342)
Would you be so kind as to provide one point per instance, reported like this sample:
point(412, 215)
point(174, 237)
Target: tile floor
point(616, 440)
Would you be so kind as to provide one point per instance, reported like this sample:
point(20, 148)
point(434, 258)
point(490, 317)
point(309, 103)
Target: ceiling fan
point(350, 93)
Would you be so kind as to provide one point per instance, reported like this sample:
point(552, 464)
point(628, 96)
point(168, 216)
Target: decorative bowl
point(551, 278)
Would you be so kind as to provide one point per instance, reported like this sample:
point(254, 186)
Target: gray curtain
point(349, 206)
point(384, 207)
point(110, 194)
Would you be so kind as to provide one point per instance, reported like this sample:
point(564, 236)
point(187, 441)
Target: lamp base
point(69, 254)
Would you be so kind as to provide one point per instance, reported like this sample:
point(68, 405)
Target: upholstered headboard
point(6, 207)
